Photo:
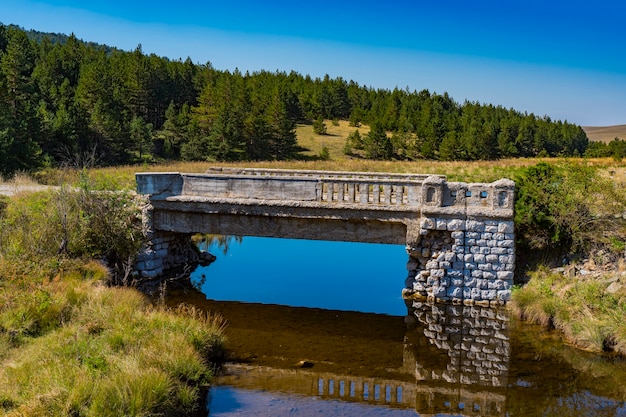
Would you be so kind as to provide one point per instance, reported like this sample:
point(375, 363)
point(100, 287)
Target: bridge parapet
point(381, 191)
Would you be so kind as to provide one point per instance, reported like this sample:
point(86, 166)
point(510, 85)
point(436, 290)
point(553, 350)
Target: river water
point(319, 328)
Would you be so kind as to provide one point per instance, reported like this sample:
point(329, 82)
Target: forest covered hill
point(65, 101)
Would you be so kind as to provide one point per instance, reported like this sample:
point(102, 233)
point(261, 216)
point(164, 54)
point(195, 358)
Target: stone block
point(489, 294)
point(432, 264)
point(477, 273)
point(456, 224)
point(484, 267)
point(506, 259)
point(437, 273)
point(479, 258)
point(505, 275)
point(492, 259)
point(474, 226)
point(498, 236)
point(504, 295)
point(467, 293)
point(428, 223)
point(498, 251)
point(455, 292)
point(489, 275)
point(439, 291)
point(470, 242)
point(472, 235)
point(457, 235)
point(506, 243)
point(450, 257)
point(470, 266)
point(412, 265)
point(490, 228)
point(506, 227)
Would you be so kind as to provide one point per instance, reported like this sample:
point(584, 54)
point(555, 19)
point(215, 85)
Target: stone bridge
point(459, 236)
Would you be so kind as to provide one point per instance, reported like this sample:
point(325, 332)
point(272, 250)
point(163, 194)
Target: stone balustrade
point(430, 194)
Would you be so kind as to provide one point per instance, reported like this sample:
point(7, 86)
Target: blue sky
point(564, 59)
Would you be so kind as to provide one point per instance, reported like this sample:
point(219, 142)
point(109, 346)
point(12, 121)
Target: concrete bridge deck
point(408, 209)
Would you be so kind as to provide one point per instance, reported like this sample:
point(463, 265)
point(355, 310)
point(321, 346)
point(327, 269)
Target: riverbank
point(71, 344)
point(585, 302)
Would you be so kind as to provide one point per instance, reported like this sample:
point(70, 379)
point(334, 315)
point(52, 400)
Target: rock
point(615, 287)
point(304, 364)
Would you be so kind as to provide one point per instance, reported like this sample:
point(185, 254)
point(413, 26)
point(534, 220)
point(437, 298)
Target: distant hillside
point(605, 133)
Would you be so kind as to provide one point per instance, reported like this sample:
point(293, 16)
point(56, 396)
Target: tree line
point(64, 101)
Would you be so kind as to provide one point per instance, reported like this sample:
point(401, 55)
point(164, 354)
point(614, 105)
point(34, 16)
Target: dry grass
point(605, 133)
point(123, 177)
point(588, 316)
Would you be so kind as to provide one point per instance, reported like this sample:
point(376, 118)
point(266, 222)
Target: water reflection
point(426, 360)
point(476, 341)
point(453, 361)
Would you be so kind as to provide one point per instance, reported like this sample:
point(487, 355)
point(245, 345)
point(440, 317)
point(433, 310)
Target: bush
point(319, 127)
point(565, 207)
point(76, 223)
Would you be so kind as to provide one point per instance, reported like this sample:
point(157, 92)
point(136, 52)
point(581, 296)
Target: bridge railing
point(272, 172)
point(379, 190)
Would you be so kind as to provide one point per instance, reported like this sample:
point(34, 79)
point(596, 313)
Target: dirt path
point(9, 189)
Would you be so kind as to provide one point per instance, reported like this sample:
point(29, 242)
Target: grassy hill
point(605, 133)
point(334, 139)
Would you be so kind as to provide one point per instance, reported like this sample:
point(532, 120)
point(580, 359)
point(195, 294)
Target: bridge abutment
point(458, 261)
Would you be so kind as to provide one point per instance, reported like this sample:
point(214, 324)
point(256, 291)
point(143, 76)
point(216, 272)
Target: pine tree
point(19, 125)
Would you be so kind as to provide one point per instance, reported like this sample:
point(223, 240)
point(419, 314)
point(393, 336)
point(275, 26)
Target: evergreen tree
point(377, 144)
point(19, 124)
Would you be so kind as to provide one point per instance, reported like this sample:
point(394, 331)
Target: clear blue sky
point(564, 59)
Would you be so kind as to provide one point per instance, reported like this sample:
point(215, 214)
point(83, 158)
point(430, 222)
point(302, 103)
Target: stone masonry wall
point(165, 252)
point(462, 261)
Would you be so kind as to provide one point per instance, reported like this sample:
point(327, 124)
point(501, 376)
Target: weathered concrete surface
point(441, 223)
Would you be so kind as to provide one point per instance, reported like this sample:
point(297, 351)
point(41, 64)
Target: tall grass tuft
point(70, 344)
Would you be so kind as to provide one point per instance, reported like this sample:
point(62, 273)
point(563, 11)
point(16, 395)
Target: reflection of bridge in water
point(455, 361)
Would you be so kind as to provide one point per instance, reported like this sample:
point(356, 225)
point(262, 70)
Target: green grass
point(70, 344)
point(581, 308)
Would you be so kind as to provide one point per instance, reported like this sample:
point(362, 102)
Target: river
point(319, 328)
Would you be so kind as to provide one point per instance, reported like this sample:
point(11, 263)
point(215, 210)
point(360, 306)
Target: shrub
point(565, 207)
point(319, 127)
point(77, 223)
